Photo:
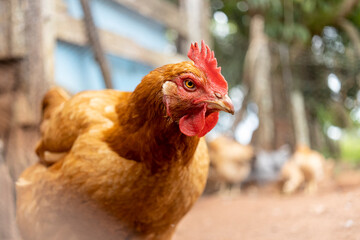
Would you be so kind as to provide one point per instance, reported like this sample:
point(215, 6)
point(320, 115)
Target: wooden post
point(37, 69)
point(12, 29)
point(8, 228)
point(23, 81)
point(96, 44)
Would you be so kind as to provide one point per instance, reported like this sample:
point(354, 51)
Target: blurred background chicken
point(130, 165)
point(268, 164)
point(306, 168)
point(230, 164)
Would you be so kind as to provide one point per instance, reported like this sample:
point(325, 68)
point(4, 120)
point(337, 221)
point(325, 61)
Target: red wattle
point(210, 122)
point(196, 124)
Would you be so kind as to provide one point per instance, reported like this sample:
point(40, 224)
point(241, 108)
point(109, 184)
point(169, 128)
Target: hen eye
point(189, 84)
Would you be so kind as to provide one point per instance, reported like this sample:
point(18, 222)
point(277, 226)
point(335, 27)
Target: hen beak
point(223, 104)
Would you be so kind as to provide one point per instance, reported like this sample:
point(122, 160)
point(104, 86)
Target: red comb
point(206, 61)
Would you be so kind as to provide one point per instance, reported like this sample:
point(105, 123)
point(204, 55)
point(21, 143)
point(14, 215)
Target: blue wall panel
point(76, 70)
point(118, 19)
point(75, 67)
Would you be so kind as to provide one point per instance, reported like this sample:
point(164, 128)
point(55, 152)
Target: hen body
point(117, 165)
point(101, 190)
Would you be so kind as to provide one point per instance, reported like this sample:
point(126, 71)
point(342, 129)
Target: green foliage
point(350, 148)
point(355, 16)
point(275, 6)
point(308, 6)
point(324, 115)
point(290, 21)
point(175, 2)
point(310, 29)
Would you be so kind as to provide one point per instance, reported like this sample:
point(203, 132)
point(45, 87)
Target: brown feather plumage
point(124, 170)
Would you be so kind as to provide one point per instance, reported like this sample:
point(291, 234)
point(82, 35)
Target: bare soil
point(331, 214)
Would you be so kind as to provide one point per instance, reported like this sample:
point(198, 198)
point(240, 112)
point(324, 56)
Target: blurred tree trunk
point(281, 87)
point(345, 9)
point(196, 15)
point(293, 101)
point(318, 139)
point(299, 119)
point(257, 75)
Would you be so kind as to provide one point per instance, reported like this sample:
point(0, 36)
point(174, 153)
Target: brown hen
point(121, 165)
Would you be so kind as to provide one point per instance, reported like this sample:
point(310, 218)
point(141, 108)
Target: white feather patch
point(21, 182)
point(109, 109)
point(168, 88)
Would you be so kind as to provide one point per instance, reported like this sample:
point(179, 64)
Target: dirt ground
point(330, 214)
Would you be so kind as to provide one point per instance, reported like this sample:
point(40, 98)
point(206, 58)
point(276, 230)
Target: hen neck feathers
point(146, 134)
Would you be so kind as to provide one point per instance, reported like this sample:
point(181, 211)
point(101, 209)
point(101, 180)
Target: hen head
point(195, 91)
